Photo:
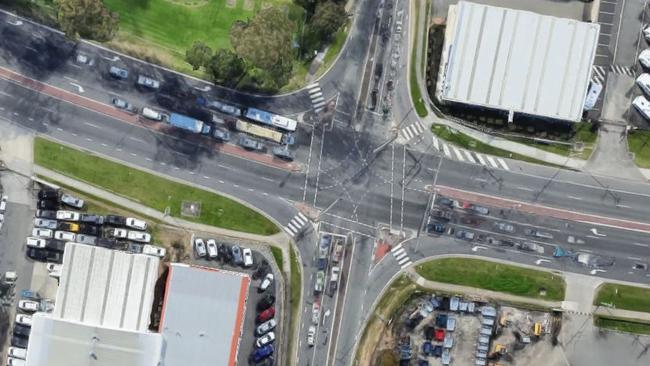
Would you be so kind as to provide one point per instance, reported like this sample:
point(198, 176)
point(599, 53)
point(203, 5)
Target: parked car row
point(3, 207)
point(235, 255)
point(29, 303)
point(263, 352)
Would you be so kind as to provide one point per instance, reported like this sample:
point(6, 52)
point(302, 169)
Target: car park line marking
point(469, 156)
point(491, 160)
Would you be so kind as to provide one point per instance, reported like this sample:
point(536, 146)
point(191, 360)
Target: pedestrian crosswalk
point(456, 153)
point(598, 75)
point(316, 96)
point(622, 70)
point(296, 224)
point(401, 257)
point(411, 131)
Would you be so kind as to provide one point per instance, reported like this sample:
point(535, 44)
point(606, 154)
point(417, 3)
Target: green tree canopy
point(226, 67)
point(198, 55)
point(88, 19)
point(322, 26)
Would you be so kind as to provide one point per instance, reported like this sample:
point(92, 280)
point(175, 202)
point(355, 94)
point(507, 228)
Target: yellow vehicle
point(537, 329)
point(263, 132)
point(69, 226)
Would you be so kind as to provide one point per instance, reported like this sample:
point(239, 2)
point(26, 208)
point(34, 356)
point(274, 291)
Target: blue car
point(262, 353)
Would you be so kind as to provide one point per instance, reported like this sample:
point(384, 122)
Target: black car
point(221, 250)
point(53, 256)
point(48, 194)
point(446, 202)
point(48, 204)
point(91, 219)
point(441, 215)
point(115, 220)
point(266, 302)
point(89, 229)
point(227, 255)
point(109, 243)
point(22, 330)
point(267, 362)
point(436, 228)
point(261, 270)
point(55, 245)
point(135, 248)
point(46, 214)
point(37, 254)
point(20, 342)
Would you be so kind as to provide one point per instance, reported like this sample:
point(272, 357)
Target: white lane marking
point(236, 185)
point(403, 260)
point(635, 258)
point(71, 79)
point(317, 100)
point(206, 177)
point(641, 245)
point(16, 114)
point(118, 149)
point(92, 125)
point(89, 139)
point(525, 189)
point(312, 86)
point(293, 226)
point(268, 179)
point(103, 144)
point(163, 164)
point(148, 159)
point(396, 248)
point(74, 134)
point(222, 182)
point(317, 105)
point(436, 143)
point(291, 233)
point(80, 88)
point(574, 198)
point(136, 139)
point(134, 154)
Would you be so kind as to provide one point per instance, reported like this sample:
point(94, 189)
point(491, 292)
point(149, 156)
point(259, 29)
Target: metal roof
point(517, 61)
point(203, 315)
point(107, 288)
point(56, 342)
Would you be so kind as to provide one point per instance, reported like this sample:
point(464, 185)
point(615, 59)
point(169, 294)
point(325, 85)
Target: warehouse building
point(516, 61)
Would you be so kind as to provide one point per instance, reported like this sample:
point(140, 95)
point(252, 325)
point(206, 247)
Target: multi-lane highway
point(349, 171)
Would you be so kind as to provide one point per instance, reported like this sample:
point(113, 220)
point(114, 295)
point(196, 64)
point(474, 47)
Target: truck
point(265, 133)
point(338, 251)
point(188, 123)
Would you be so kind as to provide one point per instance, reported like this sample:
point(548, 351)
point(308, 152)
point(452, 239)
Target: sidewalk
point(620, 313)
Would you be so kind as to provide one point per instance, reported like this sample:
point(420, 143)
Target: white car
point(65, 235)
point(28, 305)
point(248, 257)
point(24, 319)
point(11, 361)
point(3, 203)
point(311, 334)
point(72, 201)
point(134, 223)
point(199, 246)
point(2, 220)
point(646, 33)
point(17, 352)
point(644, 58)
point(45, 223)
point(120, 233)
point(265, 327)
point(642, 105)
point(154, 250)
point(36, 242)
point(139, 236)
point(265, 339)
point(212, 248)
point(266, 282)
point(42, 233)
point(67, 215)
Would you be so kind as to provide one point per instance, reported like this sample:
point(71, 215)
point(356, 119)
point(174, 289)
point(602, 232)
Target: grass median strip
point(639, 143)
point(295, 285)
point(622, 325)
point(624, 297)
point(494, 277)
point(149, 189)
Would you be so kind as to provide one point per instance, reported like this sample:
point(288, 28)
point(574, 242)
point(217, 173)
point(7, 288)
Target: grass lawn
point(583, 134)
point(639, 143)
point(150, 190)
point(277, 255)
point(622, 325)
point(294, 301)
point(624, 297)
point(416, 96)
point(495, 277)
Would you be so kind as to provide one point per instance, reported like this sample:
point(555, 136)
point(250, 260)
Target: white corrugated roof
point(108, 288)
point(517, 61)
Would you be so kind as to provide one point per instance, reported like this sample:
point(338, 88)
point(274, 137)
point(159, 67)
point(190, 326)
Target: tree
point(226, 67)
point(87, 19)
point(265, 42)
point(322, 26)
point(198, 55)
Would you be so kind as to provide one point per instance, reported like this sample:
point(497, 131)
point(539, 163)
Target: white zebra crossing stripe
point(289, 231)
point(317, 110)
point(491, 160)
point(300, 218)
point(317, 100)
point(316, 95)
point(460, 156)
point(395, 249)
point(318, 105)
point(446, 150)
point(312, 86)
point(401, 255)
point(315, 91)
point(403, 260)
point(480, 159)
point(406, 264)
point(503, 163)
point(293, 226)
point(435, 143)
point(469, 156)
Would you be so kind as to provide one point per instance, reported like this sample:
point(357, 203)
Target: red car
point(266, 315)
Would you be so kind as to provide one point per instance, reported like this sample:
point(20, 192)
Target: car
point(441, 215)
point(19, 341)
point(109, 243)
point(465, 235)
point(36, 242)
point(55, 245)
point(199, 247)
point(319, 283)
point(262, 341)
point(29, 306)
point(646, 33)
point(12, 361)
point(118, 73)
point(65, 235)
point(36, 254)
point(265, 327)
point(115, 220)
point(48, 194)
point(22, 330)
point(236, 255)
point(42, 233)
point(17, 352)
point(266, 302)
point(262, 353)
point(68, 226)
point(84, 59)
point(504, 226)
point(153, 250)
point(212, 248)
point(2, 220)
point(123, 104)
point(67, 215)
point(644, 58)
point(221, 249)
point(3, 203)
point(152, 114)
point(89, 230)
point(119, 233)
point(221, 135)
point(148, 82)
point(436, 228)
point(86, 239)
point(266, 282)
point(642, 105)
point(471, 220)
point(283, 153)
point(72, 201)
point(139, 236)
point(643, 81)
point(640, 266)
point(134, 223)
point(250, 144)
point(266, 315)
point(46, 214)
point(48, 204)
point(24, 319)
point(311, 335)
point(445, 202)
point(480, 209)
point(91, 219)
point(248, 257)
point(538, 234)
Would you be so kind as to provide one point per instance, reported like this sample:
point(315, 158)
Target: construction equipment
point(537, 329)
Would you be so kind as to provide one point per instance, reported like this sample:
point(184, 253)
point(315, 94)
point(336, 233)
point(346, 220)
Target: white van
point(644, 58)
point(642, 105)
point(151, 114)
point(643, 81)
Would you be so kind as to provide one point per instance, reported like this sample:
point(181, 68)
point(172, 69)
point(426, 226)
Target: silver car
point(504, 226)
point(45, 223)
point(199, 246)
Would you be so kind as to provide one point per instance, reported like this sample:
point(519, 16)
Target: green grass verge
point(334, 48)
point(294, 301)
point(462, 140)
point(582, 134)
point(622, 325)
point(624, 297)
point(416, 96)
point(150, 190)
point(639, 143)
point(277, 255)
point(495, 277)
